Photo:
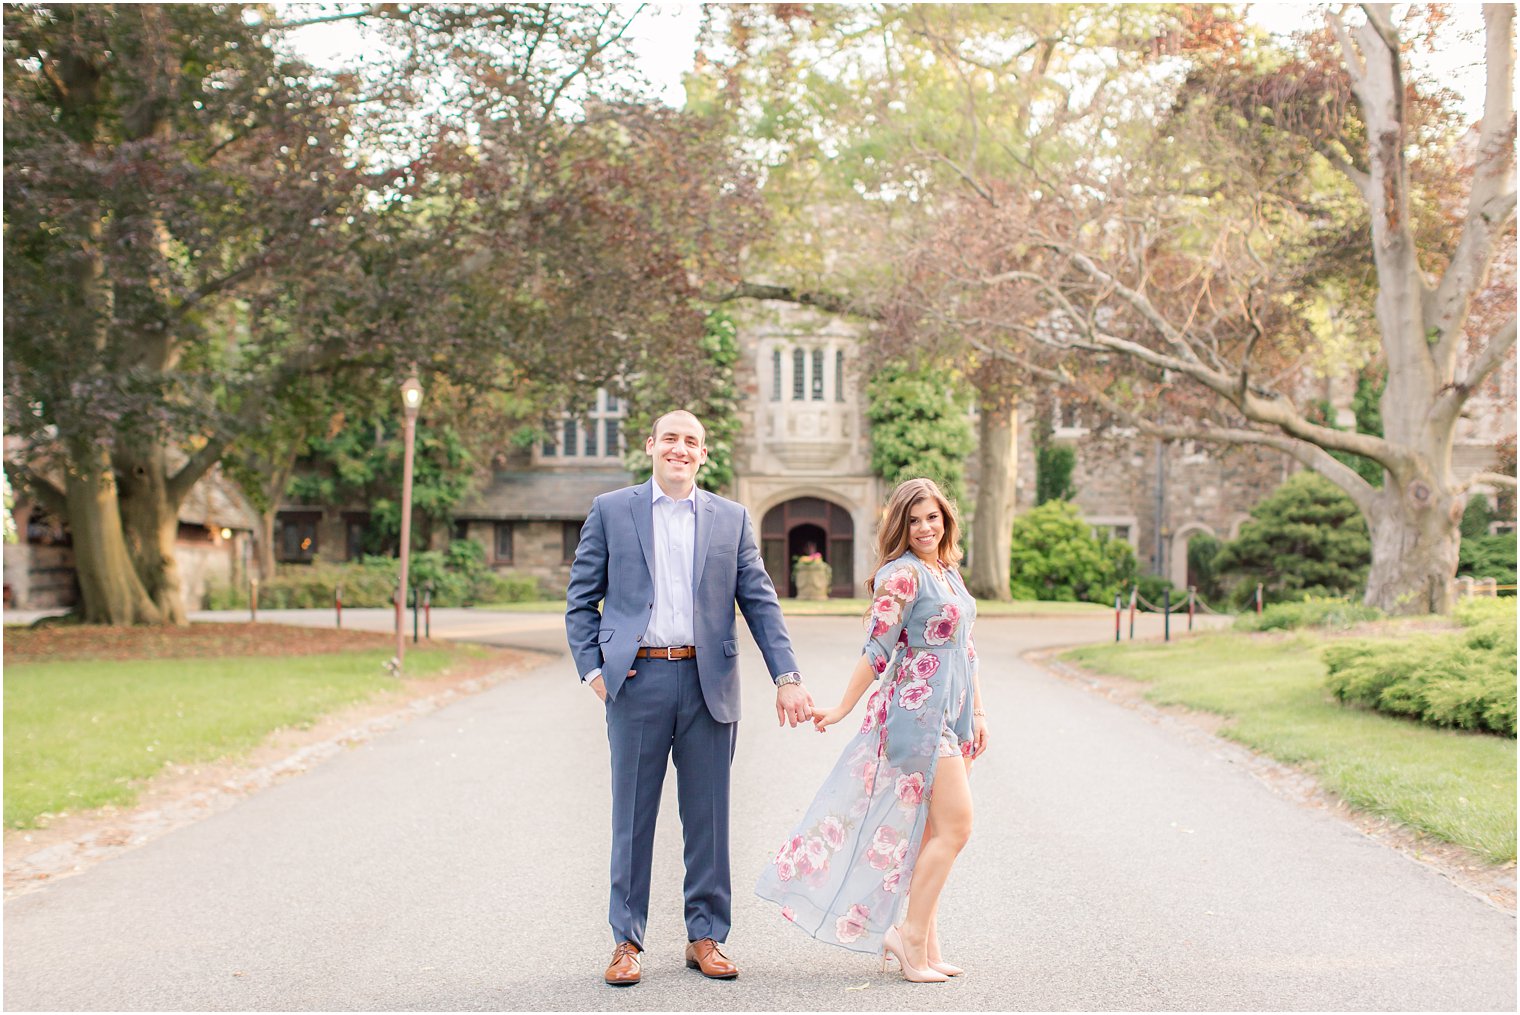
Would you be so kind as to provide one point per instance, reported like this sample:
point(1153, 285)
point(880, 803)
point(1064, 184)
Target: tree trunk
point(150, 518)
point(992, 525)
point(108, 582)
point(265, 546)
point(1416, 541)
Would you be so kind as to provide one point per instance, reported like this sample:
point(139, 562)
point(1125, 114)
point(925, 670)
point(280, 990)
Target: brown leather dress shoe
point(625, 968)
point(707, 955)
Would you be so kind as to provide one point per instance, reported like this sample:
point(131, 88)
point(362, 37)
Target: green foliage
point(1057, 557)
point(1333, 613)
point(716, 403)
point(920, 427)
point(1203, 554)
point(1476, 517)
point(1489, 557)
point(459, 575)
point(1306, 538)
point(362, 464)
point(1052, 473)
point(1464, 680)
point(1154, 587)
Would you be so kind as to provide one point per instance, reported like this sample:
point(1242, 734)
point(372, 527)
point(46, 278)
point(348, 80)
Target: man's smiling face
point(678, 449)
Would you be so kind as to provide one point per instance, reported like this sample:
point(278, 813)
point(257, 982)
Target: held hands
point(823, 720)
point(793, 704)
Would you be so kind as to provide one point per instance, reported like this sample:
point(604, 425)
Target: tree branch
point(49, 494)
point(1488, 479)
point(831, 302)
point(1491, 202)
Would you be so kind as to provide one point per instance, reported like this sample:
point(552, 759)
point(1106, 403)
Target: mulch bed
point(55, 642)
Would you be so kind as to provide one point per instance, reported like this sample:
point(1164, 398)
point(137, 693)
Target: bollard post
point(1118, 614)
point(416, 609)
point(1166, 610)
point(1192, 602)
point(1258, 599)
point(338, 603)
point(1133, 592)
point(253, 600)
point(427, 610)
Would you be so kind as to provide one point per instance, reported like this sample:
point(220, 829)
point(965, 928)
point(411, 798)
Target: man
point(667, 562)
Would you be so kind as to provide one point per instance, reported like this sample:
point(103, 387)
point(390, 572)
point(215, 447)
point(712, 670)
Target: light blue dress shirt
point(675, 542)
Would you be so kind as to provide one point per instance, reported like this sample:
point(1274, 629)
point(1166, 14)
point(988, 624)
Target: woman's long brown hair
point(892, 538)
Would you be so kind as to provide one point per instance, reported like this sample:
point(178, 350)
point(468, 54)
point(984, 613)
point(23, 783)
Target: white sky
point(664, 40)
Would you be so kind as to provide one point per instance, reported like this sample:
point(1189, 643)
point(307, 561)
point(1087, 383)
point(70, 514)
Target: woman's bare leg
point(935, 955)
point(948, 827)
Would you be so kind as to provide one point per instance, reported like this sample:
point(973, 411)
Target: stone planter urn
point(812, 578)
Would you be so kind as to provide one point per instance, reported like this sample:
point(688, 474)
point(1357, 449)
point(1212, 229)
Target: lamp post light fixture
point(411, 400)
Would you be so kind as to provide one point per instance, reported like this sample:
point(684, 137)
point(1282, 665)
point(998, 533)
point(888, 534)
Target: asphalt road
point(460, 862)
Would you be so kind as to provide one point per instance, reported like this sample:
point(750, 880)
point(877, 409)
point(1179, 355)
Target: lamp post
point(411, 400)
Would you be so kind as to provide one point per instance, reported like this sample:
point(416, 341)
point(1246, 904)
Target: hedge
point(1332, 612)
point(1464, 680)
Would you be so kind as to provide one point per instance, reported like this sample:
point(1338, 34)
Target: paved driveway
point(460, 863)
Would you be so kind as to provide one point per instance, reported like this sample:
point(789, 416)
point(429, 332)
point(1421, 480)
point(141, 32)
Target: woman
point(896, 811)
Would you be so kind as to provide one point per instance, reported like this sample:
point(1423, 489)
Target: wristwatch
point(788, 678)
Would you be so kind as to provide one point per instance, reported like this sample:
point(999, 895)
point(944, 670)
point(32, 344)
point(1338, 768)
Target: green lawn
point(81, 734)
point(1457, 786)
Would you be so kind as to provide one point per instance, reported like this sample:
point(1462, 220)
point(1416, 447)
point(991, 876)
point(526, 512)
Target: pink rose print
point(913, 695)
point(901, 852)
point(832, 830)
point(886, 610)
point(873, 716)
point(817, 854)
point(902, 637)
point(968, 748)
point(884, 848)
point(866, 773)
point(852, 926)
point(925, 665)
point(893, 880)
point(910, 789)
point(941, 627)
point(785, 869)
point(788, 913)
point(902, 583)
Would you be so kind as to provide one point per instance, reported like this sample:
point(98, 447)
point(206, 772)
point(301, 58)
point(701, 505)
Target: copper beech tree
point(1192, 252)
point(1190, 336)
point(207, 242)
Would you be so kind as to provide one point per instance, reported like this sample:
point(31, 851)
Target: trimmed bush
point(1305, 539)
point(459, 575)
point(1056, 557)
point(1464, 680)
point(1336, 613)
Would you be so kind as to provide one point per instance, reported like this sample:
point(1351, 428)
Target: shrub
point(1487, 556)
point(1153, 588)
point(1202, 552)
point(1338, 613)
point(1057, 557)
point(1305, 539)
point(919, 426)
point(1464, 680)
point(459, 576)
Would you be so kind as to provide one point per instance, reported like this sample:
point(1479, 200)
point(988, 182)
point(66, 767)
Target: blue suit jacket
point(614, 566)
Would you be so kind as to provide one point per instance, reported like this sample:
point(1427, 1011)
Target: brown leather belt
point(672, 653)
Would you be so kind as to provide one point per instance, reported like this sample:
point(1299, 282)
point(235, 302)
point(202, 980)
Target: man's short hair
point(654, 428)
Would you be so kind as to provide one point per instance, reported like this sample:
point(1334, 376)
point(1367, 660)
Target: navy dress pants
point(658, 714)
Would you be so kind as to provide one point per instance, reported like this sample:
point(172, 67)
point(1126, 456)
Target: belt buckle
point(670, 654)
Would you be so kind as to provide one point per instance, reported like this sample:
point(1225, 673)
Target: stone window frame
point(504, 535)
point(571, 428)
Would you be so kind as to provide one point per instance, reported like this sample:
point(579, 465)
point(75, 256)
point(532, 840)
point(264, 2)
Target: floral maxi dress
point(844, 873)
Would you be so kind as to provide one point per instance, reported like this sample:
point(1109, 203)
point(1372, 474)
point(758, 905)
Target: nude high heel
point(945, 967)
point(891, 943)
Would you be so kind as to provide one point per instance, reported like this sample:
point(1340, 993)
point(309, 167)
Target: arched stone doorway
point(808, 525)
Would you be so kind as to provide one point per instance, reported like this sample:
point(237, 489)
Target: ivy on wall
point(920, 426)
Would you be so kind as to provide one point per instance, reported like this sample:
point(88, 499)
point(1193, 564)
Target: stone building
point(802, 468)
